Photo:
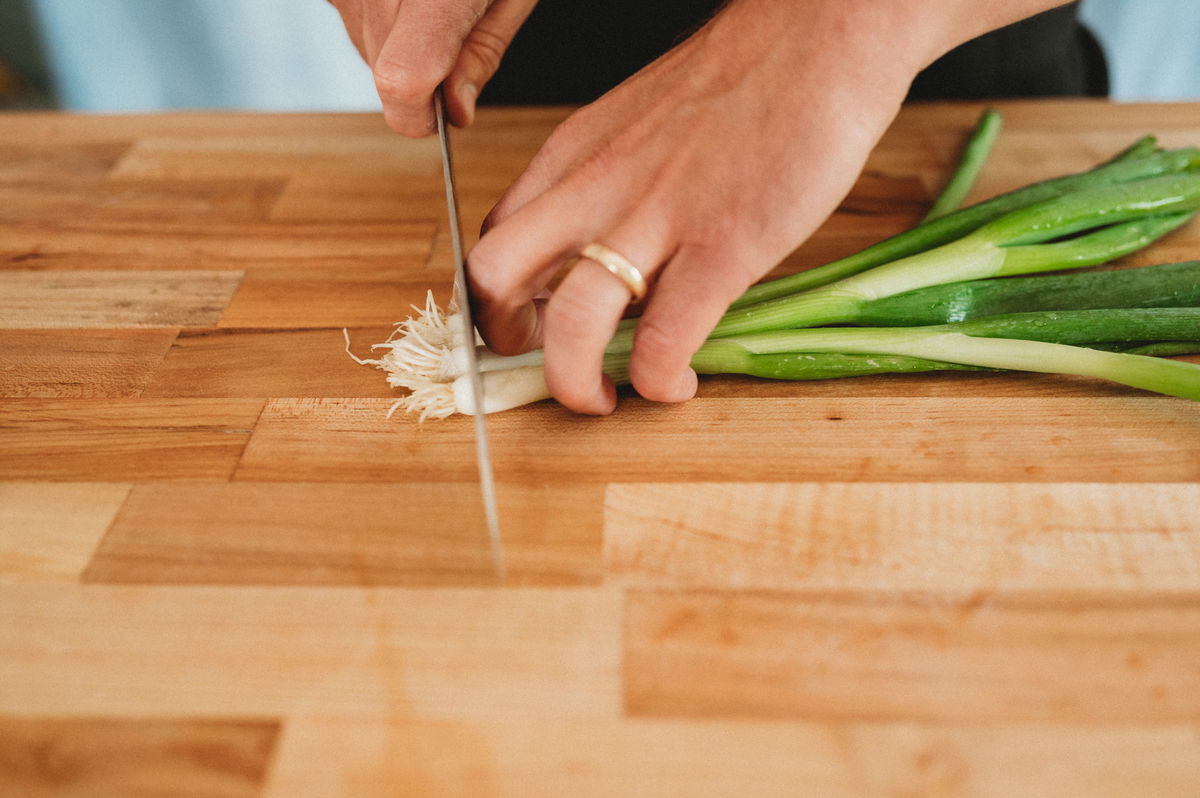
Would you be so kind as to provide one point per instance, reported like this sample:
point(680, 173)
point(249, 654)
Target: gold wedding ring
point(619, 266)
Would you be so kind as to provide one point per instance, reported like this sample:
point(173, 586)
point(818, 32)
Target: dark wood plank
point(134, 757)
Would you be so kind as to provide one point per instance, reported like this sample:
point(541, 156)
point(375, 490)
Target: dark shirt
point(571, 52)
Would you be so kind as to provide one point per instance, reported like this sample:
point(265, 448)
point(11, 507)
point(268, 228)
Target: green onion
point(1010, 245)
point(1047, 342)
point(1143, 146)
point(1170, 285)
point(983, 137)
point(1030, 343)
point(960, 223)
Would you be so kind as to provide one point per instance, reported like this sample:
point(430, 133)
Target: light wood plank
point(983, 658)
point(314, 534)
point(95, 198)
point(360, 197)
point(124, 440)
point(651, 757)
point(24, 156)
point(262, 363)
point(1150, 439)
point(49, 531)
point(104, 299)
point(279, 154)
point(905, 536)
point(60, 130)
point(340, 652)
point(128, 758)
point(72, 364)
point(278, 298)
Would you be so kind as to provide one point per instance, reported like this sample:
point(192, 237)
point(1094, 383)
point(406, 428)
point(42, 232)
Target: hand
point(412, 46)
point(704, 170)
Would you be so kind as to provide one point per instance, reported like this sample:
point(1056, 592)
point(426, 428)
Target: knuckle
point(656, 364)
point(487, 48)
point(569, 389)
point(568, 313)
point(402, 84)
point(406, 124)
point(492, 281)
point(654, 345)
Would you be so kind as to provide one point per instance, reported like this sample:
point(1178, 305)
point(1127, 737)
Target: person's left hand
point(704, 170)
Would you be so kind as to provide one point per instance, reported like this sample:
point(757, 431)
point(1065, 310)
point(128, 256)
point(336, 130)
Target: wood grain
point(49, 531)
point(318, 534)
point(24, 156)
point(779, 440)
point(324, 652)
point(268, 362)
point(104, 299)
point(276, 298)
point(200, 244)
point(124, 440)
point(981, 658)
point(128, 758)
point(704, 757)
point(1121, 538)
point(105, 198)
point(279, 153)
point(224, 571)
point(67, 364)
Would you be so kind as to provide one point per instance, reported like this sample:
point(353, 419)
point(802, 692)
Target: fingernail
point(467, 94)
point(610, 395)
point(686, 387)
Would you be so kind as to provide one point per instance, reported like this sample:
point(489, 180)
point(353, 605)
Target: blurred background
point(143, 55)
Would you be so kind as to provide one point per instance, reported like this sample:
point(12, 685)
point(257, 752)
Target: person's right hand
point(412, 46)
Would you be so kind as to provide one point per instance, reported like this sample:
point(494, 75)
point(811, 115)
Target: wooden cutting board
point(223, 570)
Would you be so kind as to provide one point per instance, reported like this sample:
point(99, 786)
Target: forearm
point(901, 36)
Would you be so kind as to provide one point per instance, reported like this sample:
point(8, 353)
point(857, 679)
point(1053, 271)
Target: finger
point(569, 147)
point(481, 54)
point(517, 258)
point(692, 293)
point(582, 314)
point(421, 49)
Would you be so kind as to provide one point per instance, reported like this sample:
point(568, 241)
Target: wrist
point(874, 47)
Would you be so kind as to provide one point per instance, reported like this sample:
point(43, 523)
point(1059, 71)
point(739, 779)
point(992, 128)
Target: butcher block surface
point(225, 572)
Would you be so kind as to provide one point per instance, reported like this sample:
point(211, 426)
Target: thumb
point(480, 56)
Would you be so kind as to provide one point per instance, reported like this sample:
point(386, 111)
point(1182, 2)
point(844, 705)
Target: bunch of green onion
point(942, 296)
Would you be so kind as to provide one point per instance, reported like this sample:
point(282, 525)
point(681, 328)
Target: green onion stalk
point(1136, 163)
point(975, 155)
point(1055, 342)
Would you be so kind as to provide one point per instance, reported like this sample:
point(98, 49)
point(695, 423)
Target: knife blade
point(483, 458)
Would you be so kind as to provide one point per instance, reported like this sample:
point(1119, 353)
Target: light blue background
point(141, 55)
point(128, 55)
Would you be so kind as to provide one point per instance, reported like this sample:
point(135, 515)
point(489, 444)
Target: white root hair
point(419, 358)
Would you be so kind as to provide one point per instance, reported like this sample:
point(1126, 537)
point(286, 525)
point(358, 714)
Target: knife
point(483, 458)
